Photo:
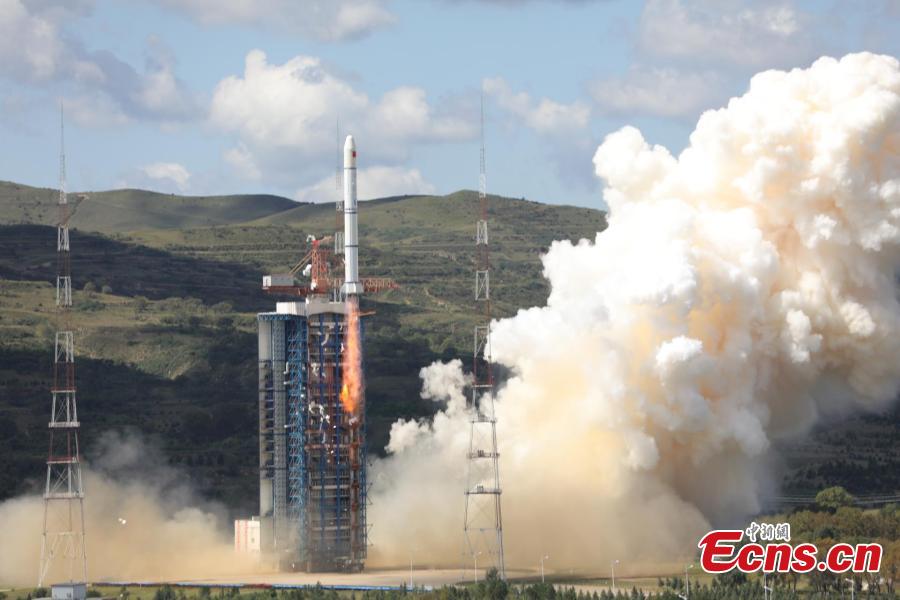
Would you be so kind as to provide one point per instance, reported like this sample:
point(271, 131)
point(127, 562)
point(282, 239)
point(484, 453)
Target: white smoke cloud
point(742, 292)
point(441, 382)
point(142, 520)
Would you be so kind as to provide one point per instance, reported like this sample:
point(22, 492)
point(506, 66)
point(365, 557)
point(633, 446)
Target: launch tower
point(312, 413)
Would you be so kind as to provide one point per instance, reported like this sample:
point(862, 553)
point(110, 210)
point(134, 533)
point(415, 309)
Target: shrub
point(833, 498)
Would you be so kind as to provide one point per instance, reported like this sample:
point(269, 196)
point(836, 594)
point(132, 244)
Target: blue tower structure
point(312, 451)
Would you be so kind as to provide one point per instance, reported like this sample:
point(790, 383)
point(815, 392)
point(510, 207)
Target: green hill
point(125, 210)
point(166, 291)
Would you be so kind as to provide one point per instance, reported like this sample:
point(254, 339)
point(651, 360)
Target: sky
point(241, 96)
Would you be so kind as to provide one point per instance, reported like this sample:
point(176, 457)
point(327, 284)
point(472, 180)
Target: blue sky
point(226, 96)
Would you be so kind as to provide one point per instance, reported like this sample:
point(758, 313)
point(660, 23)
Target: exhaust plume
point(142, 521)
point(743, 292)
point(352, 388)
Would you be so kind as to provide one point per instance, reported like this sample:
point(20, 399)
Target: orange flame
point(352, 388)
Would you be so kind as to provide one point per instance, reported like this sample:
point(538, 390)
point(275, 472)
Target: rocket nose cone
point(350, 153)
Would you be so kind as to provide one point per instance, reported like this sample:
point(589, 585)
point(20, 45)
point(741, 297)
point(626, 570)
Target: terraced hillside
point(166, 312)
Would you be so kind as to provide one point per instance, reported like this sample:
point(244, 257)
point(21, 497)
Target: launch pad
point(312, 417)
point(370, 579)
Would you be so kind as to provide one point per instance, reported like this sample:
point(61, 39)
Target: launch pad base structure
point(312, 478)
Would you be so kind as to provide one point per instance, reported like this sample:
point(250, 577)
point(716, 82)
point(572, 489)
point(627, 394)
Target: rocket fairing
point(352, 285)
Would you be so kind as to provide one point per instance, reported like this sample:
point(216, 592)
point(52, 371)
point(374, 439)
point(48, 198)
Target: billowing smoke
point(142, 520)
point(743, 292)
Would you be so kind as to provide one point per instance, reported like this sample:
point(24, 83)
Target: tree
point(890, 566)
point(493, 588)
point(140, 304)
point(165, 593)
point(732, 579)
point(833, 498)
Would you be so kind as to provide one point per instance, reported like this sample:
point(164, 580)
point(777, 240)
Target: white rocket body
point(352, 286)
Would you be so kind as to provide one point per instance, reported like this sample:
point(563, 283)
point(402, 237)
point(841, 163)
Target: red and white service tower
point(63, 551)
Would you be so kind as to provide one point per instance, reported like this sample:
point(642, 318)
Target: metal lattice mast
point(62, 543)
point(483, 516)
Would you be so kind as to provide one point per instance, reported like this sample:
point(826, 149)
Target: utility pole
point(612, 568)
point(687, 584)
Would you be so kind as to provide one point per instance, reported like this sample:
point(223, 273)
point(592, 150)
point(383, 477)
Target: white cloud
point(30, 45)
point(36, 49)
point(324, 20)
point(285, 116)
point(404, 115)
point(18, 112)
point(545, 116)
point(564, 130)
point(95, 110)
point(61, 9)
point(372, 182)
point(524, 2)
point(164, 172)
point(664, 92)
point(243, 162)
point(159, 91)
point(764, 33)
point(295, 104)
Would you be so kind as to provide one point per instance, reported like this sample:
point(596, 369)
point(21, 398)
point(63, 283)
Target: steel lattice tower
point(483, 517)
point(62, 544)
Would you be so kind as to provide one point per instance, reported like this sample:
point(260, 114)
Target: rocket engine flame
point(743, 292)
point(352, 387)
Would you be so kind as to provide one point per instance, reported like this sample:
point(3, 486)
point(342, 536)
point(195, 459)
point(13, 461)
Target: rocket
point(352, 286)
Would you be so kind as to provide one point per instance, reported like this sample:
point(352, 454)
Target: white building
point(247, 536)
